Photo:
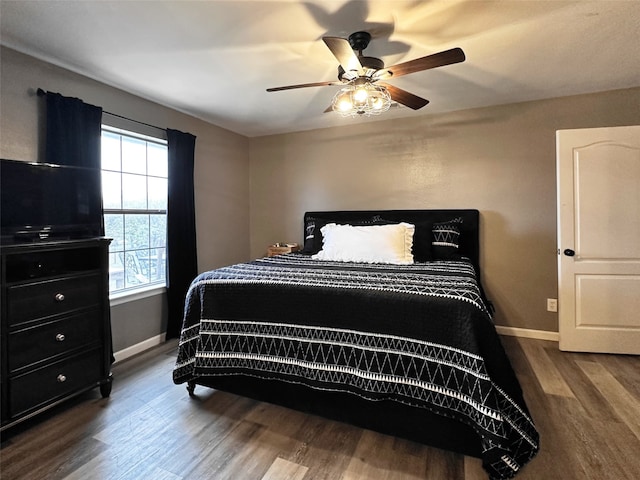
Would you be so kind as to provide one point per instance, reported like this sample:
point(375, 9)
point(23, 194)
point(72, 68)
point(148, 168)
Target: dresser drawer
point(52, 297)
point(40, 342)
point(54, 381)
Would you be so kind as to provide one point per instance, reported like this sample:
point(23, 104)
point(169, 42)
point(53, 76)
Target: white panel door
point(598, 172)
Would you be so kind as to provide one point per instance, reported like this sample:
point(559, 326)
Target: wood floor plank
point(626, 370)
point(377, 456)
point(591, 401)
point(151, 472)
point(443, 464)
point(260, 453)
point(139, 424)
point(473, 469)
point(626, 406)
point(584, 434)
point(620, 451)
point(230, 453)
point(282, 469)
point(547, 374)
point(327, 448)
point(204, 433)
point(55, 438)
point(115, 463)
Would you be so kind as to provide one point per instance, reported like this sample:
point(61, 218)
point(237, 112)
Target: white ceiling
point(214, 59)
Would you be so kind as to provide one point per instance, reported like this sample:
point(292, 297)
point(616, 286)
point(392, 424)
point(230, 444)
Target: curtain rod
point(42, 92)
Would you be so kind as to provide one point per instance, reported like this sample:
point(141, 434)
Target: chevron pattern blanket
point(416, 334)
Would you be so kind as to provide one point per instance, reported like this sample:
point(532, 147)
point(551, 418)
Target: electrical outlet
point(552, 304)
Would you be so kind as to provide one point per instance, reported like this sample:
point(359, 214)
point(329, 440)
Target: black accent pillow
point(446, 239)
point(309, 234)
point(422, 240)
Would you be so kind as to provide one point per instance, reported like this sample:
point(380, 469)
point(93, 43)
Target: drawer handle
point(59, 297)
point(60, 337)
point(61, 378)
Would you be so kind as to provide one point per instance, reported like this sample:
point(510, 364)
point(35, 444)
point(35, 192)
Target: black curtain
point(182, 261)
point(73, 132)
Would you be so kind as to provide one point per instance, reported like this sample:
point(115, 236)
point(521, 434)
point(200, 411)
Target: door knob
point(569, 253)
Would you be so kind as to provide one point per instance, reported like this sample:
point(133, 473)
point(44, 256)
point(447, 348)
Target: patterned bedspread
point(416, 334)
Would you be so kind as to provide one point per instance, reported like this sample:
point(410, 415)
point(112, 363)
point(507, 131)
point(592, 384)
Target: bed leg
point(191, 386)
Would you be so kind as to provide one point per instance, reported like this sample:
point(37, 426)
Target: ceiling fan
point(358, 74)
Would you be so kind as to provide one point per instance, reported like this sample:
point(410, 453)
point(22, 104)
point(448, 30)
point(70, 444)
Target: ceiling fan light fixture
point(361, 95)
point(361, 98)
point(359, 73)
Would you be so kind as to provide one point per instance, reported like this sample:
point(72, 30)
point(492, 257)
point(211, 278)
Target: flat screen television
point(44, 202)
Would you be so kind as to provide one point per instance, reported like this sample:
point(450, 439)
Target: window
point(134, 196)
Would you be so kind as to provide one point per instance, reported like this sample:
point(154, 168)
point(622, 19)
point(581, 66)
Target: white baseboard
point(528, 333)
point(138, 347)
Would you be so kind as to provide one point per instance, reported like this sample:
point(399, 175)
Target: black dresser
point(56, 330)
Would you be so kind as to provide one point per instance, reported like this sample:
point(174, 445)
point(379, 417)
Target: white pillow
point(369, 244)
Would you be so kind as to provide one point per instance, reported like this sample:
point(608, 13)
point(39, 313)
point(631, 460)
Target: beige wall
point(221, 169)
point(500, 160)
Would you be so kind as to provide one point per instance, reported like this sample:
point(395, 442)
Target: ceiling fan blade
point(405, 98)
point(455, 55)
point(303, 85)
point(341, 49)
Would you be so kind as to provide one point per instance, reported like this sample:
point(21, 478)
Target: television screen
point(41, 201)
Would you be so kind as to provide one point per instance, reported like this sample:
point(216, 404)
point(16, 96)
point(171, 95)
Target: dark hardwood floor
point(586, 407)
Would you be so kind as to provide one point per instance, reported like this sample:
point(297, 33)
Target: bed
point(404, 344)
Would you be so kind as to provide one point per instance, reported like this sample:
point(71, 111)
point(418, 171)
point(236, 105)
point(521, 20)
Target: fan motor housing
point(359, 40)
point(368, 63)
